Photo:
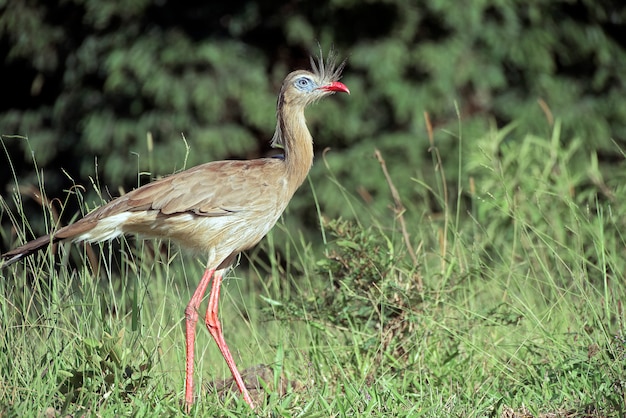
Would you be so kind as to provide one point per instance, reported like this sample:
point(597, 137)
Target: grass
point(508, 303)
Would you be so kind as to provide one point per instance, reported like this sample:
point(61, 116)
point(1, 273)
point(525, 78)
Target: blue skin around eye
point(305, 84)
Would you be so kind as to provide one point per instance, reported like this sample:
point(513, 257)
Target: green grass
point(514, 308)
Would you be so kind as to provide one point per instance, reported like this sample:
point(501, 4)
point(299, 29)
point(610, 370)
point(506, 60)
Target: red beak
point(336, 86)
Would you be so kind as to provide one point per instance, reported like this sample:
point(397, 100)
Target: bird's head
point(302, 88)
point(305, 87)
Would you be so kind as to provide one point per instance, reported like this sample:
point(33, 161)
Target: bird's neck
point(293, 134)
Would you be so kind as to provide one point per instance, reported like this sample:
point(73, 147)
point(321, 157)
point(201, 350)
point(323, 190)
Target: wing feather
point(213, 189)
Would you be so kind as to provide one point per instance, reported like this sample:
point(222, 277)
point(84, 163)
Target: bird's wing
point(213, 189)
point(219, 188)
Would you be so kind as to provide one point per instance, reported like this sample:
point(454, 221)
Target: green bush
point(109, 91)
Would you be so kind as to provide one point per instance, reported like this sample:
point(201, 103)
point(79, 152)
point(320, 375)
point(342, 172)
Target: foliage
point(105, 92)
point(366, 288)
point(102, 369)
point(501, 124)
point(518, 311)
point(509, 288)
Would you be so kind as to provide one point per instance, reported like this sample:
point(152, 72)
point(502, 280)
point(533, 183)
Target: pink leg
point(191, 318)
point(215, 328)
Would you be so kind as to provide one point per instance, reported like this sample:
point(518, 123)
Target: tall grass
point(501, 299)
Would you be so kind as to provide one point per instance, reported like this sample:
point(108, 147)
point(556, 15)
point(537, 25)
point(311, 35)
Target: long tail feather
point(27, 249)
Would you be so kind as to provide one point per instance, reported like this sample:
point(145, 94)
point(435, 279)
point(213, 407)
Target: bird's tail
point(27, 249)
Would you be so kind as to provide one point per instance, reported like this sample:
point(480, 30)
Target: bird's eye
point(304, 83)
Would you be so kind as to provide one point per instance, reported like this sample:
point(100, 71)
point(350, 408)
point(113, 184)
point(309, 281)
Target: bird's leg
point(191, 318)
point(215, 328)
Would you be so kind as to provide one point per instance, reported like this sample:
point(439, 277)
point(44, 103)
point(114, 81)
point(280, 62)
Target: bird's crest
point(329, 70)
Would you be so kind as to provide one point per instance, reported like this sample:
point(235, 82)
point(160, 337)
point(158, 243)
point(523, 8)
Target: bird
point(217, 209)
